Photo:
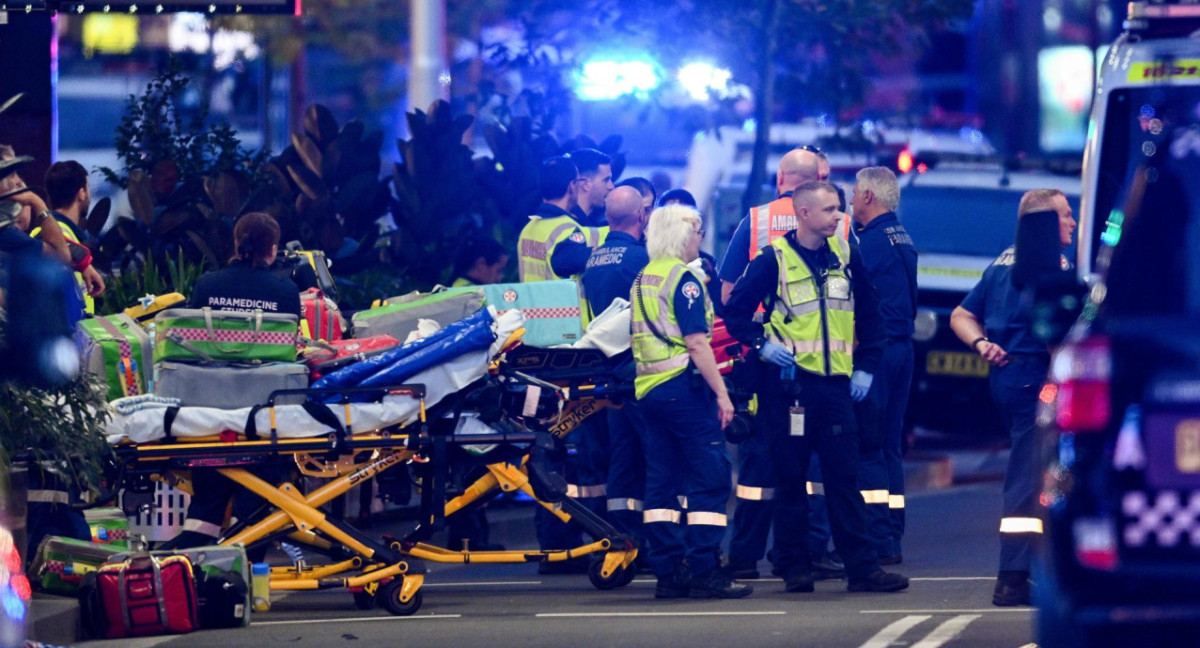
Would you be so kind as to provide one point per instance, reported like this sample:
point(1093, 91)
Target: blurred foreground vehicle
point(1120, 421)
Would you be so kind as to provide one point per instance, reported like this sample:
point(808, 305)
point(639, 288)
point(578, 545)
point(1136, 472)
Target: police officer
point(686, 406)
point(891, 262)
point(609, 276)
point(248, 277)
point(993, 322)
point(811, 285)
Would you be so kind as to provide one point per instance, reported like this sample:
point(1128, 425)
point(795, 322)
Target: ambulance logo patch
point(578, 237)
point(510, 296)
point(691, 290)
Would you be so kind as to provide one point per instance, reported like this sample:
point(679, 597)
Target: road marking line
point(356, 619)
point(484, 584)
point(893, 631)
point(979, 611)
point(568, 615)
point(954, 578)
point(948, 630)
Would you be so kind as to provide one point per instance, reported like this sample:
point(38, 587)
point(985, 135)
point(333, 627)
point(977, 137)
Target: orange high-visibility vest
point(769, 222)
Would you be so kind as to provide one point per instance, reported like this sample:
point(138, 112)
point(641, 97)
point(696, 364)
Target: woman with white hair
point(686, 407)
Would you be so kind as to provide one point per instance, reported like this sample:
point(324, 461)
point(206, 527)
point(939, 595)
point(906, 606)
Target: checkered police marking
point(1169, 519)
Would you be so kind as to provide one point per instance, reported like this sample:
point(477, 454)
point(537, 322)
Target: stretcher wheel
point(364, 600)
point(619, 578)
point(389, 597)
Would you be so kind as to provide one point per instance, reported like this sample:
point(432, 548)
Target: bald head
point(796, 168)
point(623, 208)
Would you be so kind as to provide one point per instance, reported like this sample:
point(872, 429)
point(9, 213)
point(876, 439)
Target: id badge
point(796, 421)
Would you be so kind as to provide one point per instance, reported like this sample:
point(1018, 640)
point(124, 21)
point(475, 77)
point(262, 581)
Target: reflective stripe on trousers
point(204, 528)
point(755, 493)
point(706, 517)
point(875, 496)
point(662, 515)
point(896, 501)
point(624, 504)
point(596, 490)
point(1020, 525)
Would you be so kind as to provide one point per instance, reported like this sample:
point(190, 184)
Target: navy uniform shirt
point(997, 304)
point(612, 268)
point(761, 281)
point(243, 287)
point(690, 313)
point(891, 261)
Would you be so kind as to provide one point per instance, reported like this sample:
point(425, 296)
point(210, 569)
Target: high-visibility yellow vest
point(652, 300)
point(536, 245)
point(89, 303)
point(816, 323)
point(461, 282)
point(539, 238)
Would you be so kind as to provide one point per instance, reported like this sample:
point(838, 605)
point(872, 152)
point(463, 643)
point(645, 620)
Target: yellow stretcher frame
point(392, 580)
point(388, 575)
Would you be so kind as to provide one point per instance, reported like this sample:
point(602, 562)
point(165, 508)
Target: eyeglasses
point(810, 148)
point(701, 232)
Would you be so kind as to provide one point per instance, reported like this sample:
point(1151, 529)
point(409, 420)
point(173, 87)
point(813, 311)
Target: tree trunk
point(762, 104)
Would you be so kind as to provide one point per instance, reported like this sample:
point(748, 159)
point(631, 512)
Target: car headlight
point(925, 325)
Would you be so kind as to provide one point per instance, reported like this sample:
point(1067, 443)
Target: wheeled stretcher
point(351, 435)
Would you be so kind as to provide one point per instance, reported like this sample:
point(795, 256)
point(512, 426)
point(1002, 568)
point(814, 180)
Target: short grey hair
point(669, 229)
point(1038, 200)
point(881, 182)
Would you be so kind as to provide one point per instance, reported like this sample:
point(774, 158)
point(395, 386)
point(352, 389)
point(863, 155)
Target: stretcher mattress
point(145, 422)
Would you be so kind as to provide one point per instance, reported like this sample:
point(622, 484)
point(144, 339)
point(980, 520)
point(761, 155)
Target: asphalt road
point(950, 553)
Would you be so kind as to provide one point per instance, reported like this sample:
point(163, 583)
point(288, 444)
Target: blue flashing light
point(602, 79)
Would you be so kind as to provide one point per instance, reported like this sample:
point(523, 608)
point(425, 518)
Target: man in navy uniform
point(812, 286)
point(993, 322)
point(609, 275)
point(891, 261)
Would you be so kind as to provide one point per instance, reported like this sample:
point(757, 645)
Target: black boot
point(674, 586)
point(717, 584)
point(1012, 588)
point(878, 581)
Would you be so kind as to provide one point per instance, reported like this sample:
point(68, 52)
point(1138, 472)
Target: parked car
point(961, 217)
point(1119, 428)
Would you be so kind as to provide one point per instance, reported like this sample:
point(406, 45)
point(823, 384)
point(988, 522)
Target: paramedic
point(247, 284)
point(686, 405)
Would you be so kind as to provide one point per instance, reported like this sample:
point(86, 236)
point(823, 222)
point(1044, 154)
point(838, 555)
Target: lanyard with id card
point(796, 420)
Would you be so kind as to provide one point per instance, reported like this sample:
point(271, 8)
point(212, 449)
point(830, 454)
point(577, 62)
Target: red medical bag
point(145, 596)
point(327, 358)
point(322, 314)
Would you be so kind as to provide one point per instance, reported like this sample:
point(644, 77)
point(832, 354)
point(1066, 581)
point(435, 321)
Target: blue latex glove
point(776, 354)
point(860, 384)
